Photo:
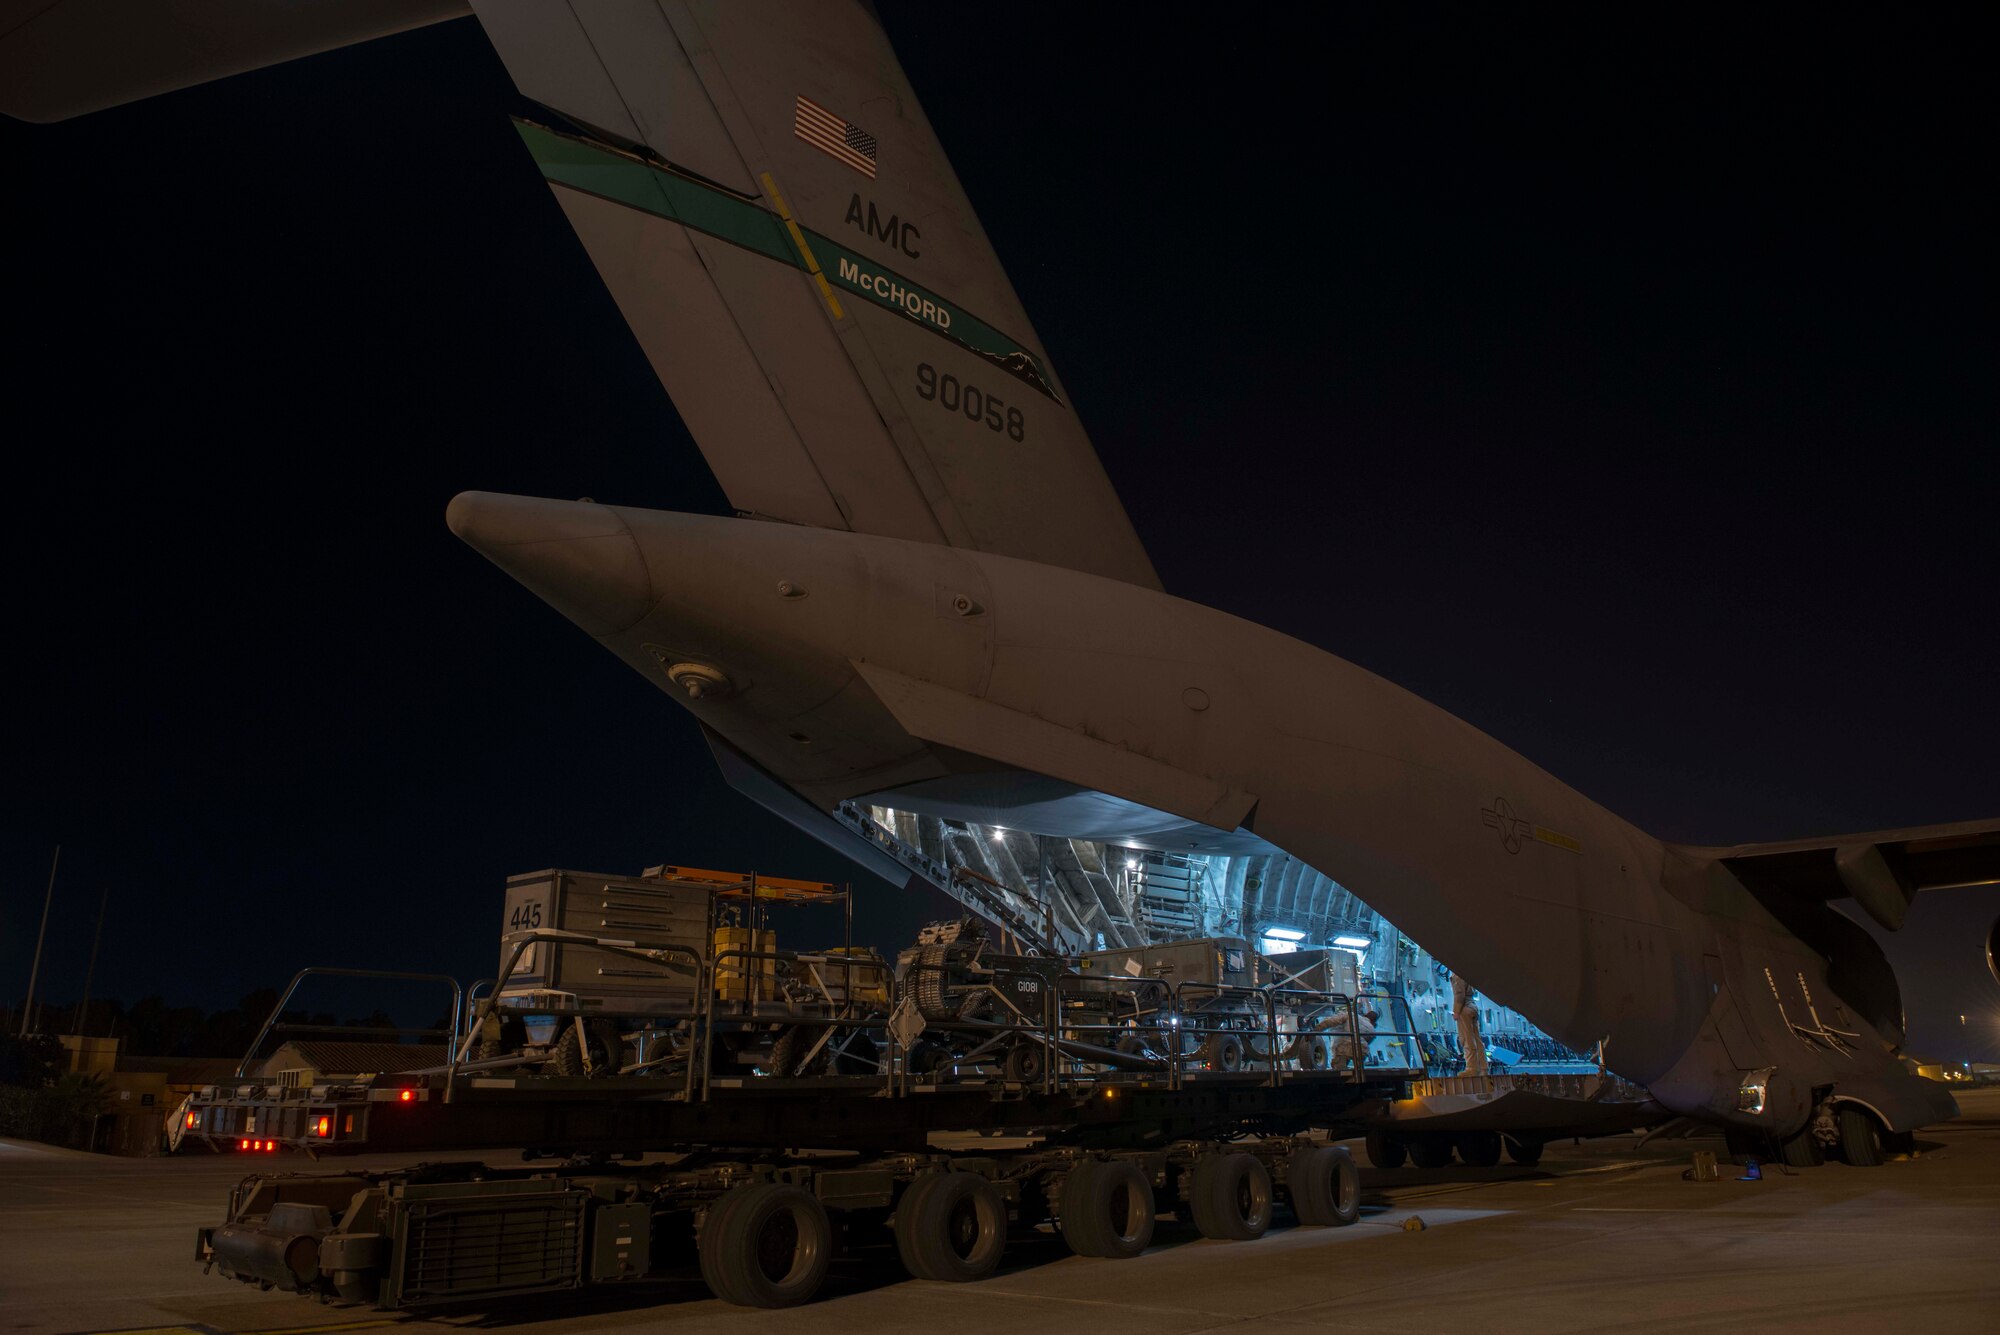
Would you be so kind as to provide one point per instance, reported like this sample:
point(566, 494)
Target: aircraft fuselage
point(849, 665)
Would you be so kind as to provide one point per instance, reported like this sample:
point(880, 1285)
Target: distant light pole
point(90, 974)
point(34, 970)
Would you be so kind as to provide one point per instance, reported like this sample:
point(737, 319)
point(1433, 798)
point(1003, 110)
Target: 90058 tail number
point(978, 406)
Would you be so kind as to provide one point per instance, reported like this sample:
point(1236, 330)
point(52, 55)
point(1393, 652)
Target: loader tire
point(1325, 1186)
point(1107, 1209)
point(1231, 1198)
point(766, 1245)
point(951, 1227)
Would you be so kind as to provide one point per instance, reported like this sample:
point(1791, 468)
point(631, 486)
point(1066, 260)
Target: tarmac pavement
point(1602, 1237)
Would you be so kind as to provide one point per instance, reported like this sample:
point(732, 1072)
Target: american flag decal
point(835, 137)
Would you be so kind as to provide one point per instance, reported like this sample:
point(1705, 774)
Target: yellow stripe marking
point(1558, 840)
point(799, 240)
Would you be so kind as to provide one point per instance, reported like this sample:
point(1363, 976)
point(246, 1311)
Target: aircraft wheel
point(1430, 1150)
point(766, 1245)
point(1478, 1149)
point(1231, 1198)
point(1860, 1141)
point(951, 1227)
point(1107, 1209)
point(1527, 1153)
point(1385, 1151)
point(1801, 1150)
point(1325, 1185)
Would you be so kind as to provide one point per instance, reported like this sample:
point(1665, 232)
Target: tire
point(766, 1245)
point(1027, 1063)
point(791, 1046)
point(1430, 1150)
point(1527, 1153)
point(951, 1227)
point(1859, 1143)
point(1107, 1209)
point(566, 1058)
point(1802, 1150)
point(926, 1056)
point(1315, 1053)
point(1325, 1186)
point(513, 1032)
point(1385, 1151)
point(1231, 1198)
point(1478, 1149)
point(1224, 1053)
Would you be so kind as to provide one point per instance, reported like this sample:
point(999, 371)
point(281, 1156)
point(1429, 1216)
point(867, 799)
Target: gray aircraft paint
point(1564, 911)
point(972, 612)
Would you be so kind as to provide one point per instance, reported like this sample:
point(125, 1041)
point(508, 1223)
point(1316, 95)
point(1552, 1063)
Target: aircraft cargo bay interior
point(1071, 896)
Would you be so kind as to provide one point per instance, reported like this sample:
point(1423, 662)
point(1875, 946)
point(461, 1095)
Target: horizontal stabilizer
point(948, 718)
point(62, 58)
point(1882, 869)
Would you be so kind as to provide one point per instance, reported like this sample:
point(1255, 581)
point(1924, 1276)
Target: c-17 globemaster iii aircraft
point(932, 599)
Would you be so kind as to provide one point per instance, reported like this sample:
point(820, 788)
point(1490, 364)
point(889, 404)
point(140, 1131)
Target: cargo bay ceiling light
point(1284, 934)
point(1353, 942)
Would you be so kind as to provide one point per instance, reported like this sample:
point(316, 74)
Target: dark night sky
point(1627, 391)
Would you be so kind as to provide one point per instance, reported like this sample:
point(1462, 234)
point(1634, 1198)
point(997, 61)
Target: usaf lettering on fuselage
point(898, 234)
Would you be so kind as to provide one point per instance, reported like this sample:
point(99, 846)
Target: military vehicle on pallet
point(676, 1036)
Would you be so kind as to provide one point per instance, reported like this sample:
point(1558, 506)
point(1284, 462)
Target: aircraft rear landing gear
point(1385, 1151)
point(1431, 1150)
point(1802, 1150)
point(1860, 1136)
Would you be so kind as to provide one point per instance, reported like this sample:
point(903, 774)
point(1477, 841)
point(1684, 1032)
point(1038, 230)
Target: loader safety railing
point(639, 951)
point(1394, 1048)
point(1019, 1023)
point(275, 1022)
point(820, 1008)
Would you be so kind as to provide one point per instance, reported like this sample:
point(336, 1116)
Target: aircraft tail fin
point(766, 202)
point(62, 58)
point(1883, 870)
